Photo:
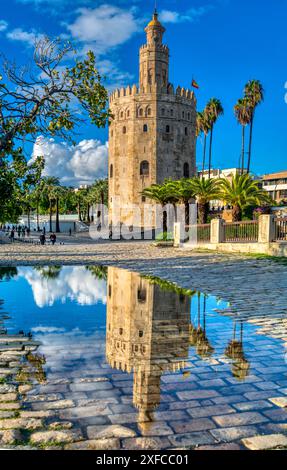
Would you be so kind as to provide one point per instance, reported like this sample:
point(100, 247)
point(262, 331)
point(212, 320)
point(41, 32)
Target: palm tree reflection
point(235, 352)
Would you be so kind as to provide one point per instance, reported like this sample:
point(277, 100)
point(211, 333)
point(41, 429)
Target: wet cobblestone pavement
point(220, 399)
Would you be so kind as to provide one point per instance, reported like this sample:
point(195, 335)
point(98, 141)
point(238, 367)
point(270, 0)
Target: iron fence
point(281, 229)
point(245, 231)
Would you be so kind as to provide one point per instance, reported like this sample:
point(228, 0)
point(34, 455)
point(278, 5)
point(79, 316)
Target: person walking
point(53, 238)
point(12, 235)
point(42, 239)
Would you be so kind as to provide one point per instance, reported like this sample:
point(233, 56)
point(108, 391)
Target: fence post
point(266, 228)
point(217, 231)
point(178, 234)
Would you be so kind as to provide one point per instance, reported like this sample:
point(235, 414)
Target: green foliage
point(242, 192)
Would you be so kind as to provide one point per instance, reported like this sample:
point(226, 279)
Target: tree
point(182, 191)
point(243, 113)
point(254, 93)
point(46, 97)
point(57, 193)
point(213, 111)
point(241, 192)
point(205, 190)
point(49, 185)
point(161, 194)
point(202, 126)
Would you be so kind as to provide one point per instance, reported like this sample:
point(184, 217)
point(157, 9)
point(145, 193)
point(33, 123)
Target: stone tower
point(147, 334)
point(152, 133)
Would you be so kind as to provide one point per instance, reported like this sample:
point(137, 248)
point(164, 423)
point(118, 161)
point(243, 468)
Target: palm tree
point(240, 192)
point(57, 194)
point(183, 193)
point(254, 93)
point(202, 125)
point(205, 190)
point(162, 194)
point(243, 113)
point(213, 111)
point(49, 184)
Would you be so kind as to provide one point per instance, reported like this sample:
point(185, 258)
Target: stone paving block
point(10, 436)
point(170, 415)
point(84, 412)
point(240, 419)
point(107, 432)
point(179, 405)
point(229, 399)
point(258, 395)
point(201, 424)
point(50, 437)
point(267, 385)
point(156, 428)
point(124, 418)
point(252, 405)
point(197, 395)
point(279, 401)
point(276, 414)
point(5, 397)
point(191, 439)
point(271, 441)
point(220, 447)
point(92, 386)
point(212, 383)
point(21, 423)
point(52, 405)
point(209, 411)
point(95, 444)
point(10, 406)
point(233, 433)
point(145, 443)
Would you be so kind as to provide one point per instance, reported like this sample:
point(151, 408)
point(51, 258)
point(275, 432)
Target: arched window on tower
point(144, 168)
point(186, 131)
point(111, 171)
point(141, 112)
point(167, 129)
point(149, 112)
point(163, 112)
point(186, 170)
point(145, 128)
point(171, 113)
point(124, 130)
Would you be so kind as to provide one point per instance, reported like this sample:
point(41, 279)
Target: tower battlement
point(134, 90)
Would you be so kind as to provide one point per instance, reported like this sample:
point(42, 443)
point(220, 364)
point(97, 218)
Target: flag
point(194, 84)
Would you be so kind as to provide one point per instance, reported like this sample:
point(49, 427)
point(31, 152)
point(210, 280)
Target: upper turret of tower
point(154, 59)
point(154, 31)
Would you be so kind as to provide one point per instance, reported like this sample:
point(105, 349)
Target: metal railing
point(281, 229)
point(245, 231)
point(203, 232)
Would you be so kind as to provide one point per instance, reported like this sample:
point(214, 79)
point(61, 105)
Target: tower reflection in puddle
point(148, 333)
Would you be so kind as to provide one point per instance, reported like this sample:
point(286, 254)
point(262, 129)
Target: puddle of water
point(141, 352)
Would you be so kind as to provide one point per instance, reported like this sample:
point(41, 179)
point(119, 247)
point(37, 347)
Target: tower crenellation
point(152, 135)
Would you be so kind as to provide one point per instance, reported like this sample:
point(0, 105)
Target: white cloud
point(3, 25)
point(73, 283)
point(74, 165)
point(29, 38)
point(105, 27)
point(191, 15)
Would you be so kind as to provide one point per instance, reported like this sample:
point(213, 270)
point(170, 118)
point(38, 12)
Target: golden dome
point(154, 21)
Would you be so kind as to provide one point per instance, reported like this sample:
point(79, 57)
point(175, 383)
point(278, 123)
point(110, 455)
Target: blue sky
point(222, 43)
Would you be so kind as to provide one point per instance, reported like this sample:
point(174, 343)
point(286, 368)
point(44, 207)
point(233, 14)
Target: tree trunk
point(37, 209)
point(186, 207)
point(203, 212)
point(250, 143)
point(236, 214)
point(243, 150)
point(51, 213)
point(79, 211)
point(210, 152)
point(204, 153)
point(57, 216)
point(164, 222)
point(88, 213)
point(28, 218)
